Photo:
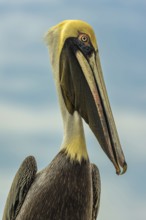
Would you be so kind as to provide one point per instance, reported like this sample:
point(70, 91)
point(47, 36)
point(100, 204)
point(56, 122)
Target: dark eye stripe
point(77, 44)
point(86, 49)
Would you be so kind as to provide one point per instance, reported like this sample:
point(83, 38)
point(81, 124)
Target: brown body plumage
point(63, 190)
point(58, 192)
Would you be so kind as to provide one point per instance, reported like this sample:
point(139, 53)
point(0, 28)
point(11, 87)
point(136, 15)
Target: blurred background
point(30, 119)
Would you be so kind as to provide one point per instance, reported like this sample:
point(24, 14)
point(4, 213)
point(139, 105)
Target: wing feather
point(20, 186)
point(96, 184)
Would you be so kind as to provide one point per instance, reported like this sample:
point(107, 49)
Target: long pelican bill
point(84, 90)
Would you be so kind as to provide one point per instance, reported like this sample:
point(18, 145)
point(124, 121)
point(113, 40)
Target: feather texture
point(20, 186)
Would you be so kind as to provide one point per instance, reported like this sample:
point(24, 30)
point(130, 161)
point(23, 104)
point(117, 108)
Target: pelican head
point(82, 93)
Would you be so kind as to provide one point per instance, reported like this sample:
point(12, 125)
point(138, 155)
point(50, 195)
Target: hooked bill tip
point(118, 170)
point(124, 168)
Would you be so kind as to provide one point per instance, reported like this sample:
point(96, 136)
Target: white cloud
point(18, 119)
point(18, 85)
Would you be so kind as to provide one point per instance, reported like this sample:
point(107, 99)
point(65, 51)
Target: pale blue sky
point(30, 120)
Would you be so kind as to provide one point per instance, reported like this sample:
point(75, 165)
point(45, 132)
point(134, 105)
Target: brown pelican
point(69, 187)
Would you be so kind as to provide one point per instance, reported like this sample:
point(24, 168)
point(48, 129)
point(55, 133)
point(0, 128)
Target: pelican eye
point(82, 42)
point(84, 38)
